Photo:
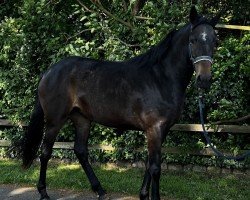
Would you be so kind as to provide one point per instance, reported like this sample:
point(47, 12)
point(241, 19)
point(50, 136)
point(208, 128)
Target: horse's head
point(202, 43)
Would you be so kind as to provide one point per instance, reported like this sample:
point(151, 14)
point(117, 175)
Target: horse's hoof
point(45, 197)
point(103, 197)
point(144, 197)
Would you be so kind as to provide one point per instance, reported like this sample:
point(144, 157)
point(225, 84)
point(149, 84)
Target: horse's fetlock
point(144, 195)
point(96, 187)
point(41, 188)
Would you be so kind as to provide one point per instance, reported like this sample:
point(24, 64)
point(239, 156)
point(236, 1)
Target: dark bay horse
point(144, 93)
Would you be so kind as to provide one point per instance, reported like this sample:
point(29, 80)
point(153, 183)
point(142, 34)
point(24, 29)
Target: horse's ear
point(215, 19)
point(193, 16)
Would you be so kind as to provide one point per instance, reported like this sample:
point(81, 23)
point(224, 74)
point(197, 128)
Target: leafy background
point(36, 34)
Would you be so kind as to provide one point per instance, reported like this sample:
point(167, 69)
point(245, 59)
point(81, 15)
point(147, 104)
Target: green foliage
point(36, 34)
point(229, 94)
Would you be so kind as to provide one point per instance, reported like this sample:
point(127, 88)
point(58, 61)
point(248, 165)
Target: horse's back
point(88, 85)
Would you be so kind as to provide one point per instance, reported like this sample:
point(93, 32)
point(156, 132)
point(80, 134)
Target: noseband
point(199, 58)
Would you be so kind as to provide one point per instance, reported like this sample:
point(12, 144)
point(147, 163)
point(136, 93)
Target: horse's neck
point(178, 60)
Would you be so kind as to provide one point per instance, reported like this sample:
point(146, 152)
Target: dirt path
point(14, 192)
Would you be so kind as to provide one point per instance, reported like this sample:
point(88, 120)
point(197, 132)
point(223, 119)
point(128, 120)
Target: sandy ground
point(14, 192)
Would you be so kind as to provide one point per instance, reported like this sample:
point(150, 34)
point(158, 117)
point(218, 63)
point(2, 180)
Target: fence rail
point(177, 127)
point(237, 27)
point(172, 150)
point(233, 129)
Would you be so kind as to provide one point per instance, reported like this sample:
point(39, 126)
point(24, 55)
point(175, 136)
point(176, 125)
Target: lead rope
point(217, 152)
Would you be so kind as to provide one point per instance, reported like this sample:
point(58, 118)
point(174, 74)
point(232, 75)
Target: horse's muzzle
point(203, 74)
point(203, 81)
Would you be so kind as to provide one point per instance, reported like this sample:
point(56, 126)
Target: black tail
point(33, 137)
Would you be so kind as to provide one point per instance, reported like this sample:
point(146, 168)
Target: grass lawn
point(174, 185)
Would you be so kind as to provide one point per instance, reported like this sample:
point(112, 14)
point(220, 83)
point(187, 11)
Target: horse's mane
point(155, 53)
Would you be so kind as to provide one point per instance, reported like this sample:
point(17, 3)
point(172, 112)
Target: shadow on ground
point(12, 192)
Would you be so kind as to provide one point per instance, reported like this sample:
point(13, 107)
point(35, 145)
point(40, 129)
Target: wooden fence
point(188, 128)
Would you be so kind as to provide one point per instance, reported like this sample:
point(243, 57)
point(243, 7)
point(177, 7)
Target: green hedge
point(36, 34)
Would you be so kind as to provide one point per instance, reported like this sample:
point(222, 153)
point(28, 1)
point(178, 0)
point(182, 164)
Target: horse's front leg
point(144, 192)
point(155, 137)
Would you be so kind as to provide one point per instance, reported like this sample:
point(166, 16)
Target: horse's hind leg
point(82, 126)
point(52, 130)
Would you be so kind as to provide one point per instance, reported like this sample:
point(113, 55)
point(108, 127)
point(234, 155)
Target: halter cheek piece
point(199, 58)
